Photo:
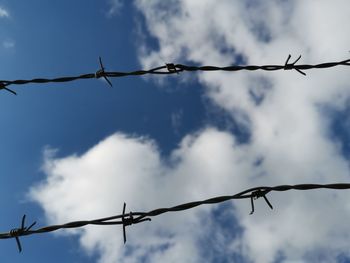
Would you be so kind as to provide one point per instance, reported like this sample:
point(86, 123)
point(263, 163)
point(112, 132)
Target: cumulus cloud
point(282, 110)
point(124, 169)
point(289, 142)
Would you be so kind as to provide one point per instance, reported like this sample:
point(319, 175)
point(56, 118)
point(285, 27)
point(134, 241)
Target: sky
point(79, 150)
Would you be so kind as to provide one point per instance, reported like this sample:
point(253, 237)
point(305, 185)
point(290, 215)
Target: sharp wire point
point(101, 64)
point(3, 86)
point(23, 221)
point(110, 83)
point(267, 201)
point(252, 205)
point(301, 72)
point(9, 90)
point(288, 58)
point(297, 60)
point(30, 227)
point(18, 244)
point(123, 221)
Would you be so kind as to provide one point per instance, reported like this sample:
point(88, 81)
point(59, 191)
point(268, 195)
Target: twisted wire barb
point(138, 217)
point(171, 68)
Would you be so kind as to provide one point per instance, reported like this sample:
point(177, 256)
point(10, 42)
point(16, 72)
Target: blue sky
point(65, 38)
point(79, 150)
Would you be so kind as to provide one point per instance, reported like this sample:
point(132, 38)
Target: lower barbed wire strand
point(127, 219)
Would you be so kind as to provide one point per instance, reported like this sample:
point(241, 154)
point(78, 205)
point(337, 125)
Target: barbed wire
point(132, 218)
point(171, 68)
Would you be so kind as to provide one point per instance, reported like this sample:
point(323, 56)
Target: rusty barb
point(171, 68)
point(132, 218)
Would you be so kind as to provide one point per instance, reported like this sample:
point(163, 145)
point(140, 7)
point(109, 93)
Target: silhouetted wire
point(171, 68)
point(138, 217)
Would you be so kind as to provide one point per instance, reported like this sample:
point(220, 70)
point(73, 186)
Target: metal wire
point(138, 217)
point(171, 68)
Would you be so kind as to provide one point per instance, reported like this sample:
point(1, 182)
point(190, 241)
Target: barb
point(3, 86)
point(139, 217)
point(171, 68)
point(126, 221)
point(17, 232)
point(292, 65)
point(101, 73)
point(255, 195)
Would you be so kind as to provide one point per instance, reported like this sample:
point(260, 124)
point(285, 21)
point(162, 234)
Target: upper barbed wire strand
point(170, 68)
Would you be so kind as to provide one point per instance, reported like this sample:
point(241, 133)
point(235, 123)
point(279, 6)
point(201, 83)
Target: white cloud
point(123, 169)
point(287, 126)
point(289, 135)
point(4, 12)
